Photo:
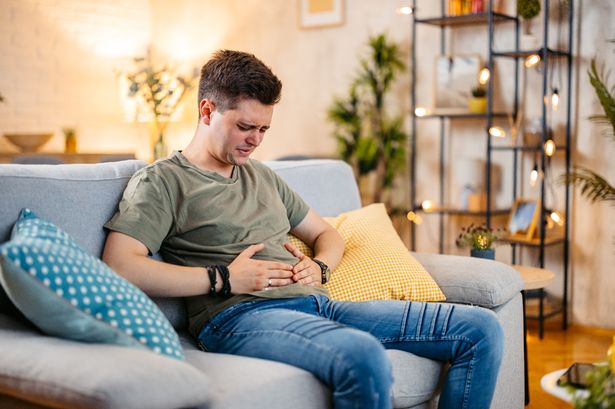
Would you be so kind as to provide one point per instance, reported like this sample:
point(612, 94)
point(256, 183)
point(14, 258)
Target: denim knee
point(364, 370)
point(488, 334)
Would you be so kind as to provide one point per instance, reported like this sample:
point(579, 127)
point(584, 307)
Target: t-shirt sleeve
point(296, 208)
point(144, 212)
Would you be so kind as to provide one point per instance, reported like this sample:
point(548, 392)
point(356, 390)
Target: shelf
point(526, 148)
point(527, 53)
point(461, 212)
point(456, 113)
point(466, 20)
point(535, 242)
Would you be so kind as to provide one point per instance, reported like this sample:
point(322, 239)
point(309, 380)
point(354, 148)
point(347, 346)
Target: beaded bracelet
point(212, 280)
point(226, 283)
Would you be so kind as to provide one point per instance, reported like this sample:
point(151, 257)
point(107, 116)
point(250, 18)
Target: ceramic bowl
point(28, 142)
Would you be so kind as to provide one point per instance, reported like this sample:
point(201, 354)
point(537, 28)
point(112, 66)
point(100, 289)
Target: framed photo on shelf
point(454, 77)
point(320, 13)
point(523, 219)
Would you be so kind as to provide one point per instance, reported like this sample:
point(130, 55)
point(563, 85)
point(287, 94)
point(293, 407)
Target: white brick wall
point(57, 69)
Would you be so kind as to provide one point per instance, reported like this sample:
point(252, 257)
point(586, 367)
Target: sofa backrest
point(78, 198)
point(82, 198)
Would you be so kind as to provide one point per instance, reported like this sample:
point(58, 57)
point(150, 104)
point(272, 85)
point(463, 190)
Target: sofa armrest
point(61, 373)
point(471, 280)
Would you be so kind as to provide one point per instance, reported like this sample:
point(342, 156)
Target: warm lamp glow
point(497, 131)
point(414, 218)
point(427, 205)
point(532, 60)
point(405, 10)
point(549, 147)
point(533, 177)
point(420, 111)
point(483, 76)
point(557, 218)
point(555, 99)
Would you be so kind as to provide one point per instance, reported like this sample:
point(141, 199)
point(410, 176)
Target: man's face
point(238, 132)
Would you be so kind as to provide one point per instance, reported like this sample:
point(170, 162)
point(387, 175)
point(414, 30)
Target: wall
point(59, 58)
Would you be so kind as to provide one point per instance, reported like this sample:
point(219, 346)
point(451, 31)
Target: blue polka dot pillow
point(69, 293)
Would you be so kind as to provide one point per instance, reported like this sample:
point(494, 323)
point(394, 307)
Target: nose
point(255, 138)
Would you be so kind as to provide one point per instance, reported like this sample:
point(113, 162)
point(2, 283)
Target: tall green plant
point(593, 186)
point(368, 138)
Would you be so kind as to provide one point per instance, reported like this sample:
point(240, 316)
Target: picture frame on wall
point(523, 219)
point(320, 13)
point(454, 77)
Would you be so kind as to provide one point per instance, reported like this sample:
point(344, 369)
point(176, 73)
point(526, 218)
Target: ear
point(206, 109)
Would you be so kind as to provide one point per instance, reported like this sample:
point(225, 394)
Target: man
point(219, 220)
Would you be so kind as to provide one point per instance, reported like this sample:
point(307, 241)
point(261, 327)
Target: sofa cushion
point(60, 373)
point(376, 265)
point(69, 293)
point(471, 280)
point(328, 186)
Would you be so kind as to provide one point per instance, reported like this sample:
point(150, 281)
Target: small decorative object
point(452, 76)
point(320, 13)
point(477, 103)
point(527, 10)
point(478, 6)
point(523, 219)
point(481, 240)
point(600, 392)
point(28, 142)
point(157, 92)
point(70, 140)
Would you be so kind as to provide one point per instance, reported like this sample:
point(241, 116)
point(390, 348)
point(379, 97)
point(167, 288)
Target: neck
point(197, 152)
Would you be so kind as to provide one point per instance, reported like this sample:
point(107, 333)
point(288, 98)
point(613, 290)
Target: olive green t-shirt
point(193, 217)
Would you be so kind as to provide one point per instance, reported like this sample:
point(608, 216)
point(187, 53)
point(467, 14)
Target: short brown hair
point(231, 75)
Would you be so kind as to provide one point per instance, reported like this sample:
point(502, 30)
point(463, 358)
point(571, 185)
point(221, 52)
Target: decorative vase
point(483, 253)
point(160, 148)
point(477, 105)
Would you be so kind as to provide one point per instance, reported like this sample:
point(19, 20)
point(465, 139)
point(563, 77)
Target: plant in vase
point(480, 239)
point(477, 104)
point(372, 141)
point(157, 91)
point(527, 10)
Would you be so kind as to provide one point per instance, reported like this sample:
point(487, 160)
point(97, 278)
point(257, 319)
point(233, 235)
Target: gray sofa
point(42, 371)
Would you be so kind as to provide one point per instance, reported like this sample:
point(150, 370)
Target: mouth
point(244, 151)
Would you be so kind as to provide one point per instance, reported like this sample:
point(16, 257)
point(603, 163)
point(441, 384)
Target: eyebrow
point(251, 126)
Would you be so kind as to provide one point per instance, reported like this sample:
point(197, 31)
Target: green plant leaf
point(593, 186)
point(598, 80)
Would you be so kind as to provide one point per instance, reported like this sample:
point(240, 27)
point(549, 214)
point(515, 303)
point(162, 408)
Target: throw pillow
point(69, 293)
point(376, 264)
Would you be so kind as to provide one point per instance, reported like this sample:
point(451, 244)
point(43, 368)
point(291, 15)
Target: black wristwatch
point(324, 271)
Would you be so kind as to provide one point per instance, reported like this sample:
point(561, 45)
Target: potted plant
point(369, 139)
point(527, 10)
point(477, 104)
point(593, 186)
point(480, 239)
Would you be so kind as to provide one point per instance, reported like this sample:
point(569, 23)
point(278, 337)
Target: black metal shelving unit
point(488, 21)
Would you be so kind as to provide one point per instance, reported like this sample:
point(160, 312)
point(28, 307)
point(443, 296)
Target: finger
point(252, 250)
point(280, 282)
point(274, 265)
point(294, 251)
point(304, 276)
point(302, 265)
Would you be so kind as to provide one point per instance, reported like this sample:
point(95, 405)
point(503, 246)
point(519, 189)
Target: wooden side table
point(534, 278)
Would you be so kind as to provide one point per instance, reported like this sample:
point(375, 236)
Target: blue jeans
point(343, 344)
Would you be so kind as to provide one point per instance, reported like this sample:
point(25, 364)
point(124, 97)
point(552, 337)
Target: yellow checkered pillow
point(376, 264)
